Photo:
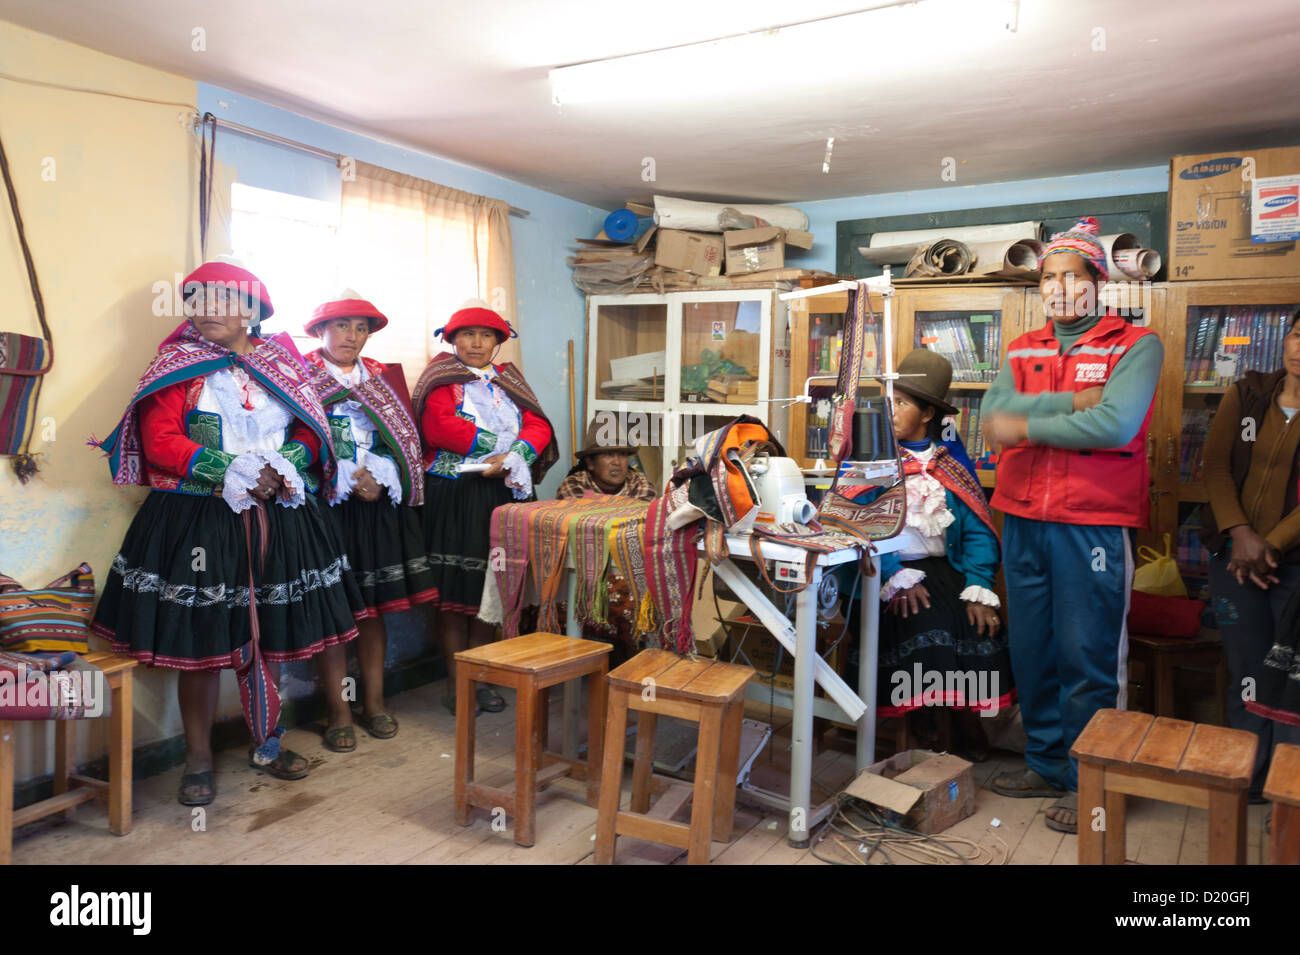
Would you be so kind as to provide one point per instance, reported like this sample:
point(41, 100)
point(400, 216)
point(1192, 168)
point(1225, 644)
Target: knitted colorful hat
point(347, 304)
point(226, 272)
point(1083, 240)
point(476, 316)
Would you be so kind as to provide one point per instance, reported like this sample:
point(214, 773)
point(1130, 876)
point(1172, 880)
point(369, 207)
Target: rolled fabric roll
point(941, 257)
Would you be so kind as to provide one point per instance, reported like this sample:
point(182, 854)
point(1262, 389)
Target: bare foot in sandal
point(287, 765)
point(1063, 815)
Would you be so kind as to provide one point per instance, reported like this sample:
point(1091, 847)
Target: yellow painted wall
point(118, 215)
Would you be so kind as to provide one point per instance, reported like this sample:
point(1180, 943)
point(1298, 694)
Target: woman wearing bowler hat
point(942, 614)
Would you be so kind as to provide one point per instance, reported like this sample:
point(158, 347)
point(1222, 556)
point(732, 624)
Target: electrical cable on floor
point(859, 832)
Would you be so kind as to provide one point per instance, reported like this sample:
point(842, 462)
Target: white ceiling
point(897, 88)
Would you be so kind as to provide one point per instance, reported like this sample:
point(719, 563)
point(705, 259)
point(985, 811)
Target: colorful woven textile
point(186, 355)
point(671, 560)
point(383, 398)
point(21, 359)
point(530, 543)
point(589, 543)
point(447, 369)
point(56, 617)
point(50, 686)
point(949, 472)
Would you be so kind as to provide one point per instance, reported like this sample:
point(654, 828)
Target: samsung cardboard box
point(923, 791)
point(699, 253)
point(1210, 223)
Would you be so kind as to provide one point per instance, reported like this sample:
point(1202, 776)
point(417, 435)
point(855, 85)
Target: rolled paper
point(1009, 259)
point(1139, 264)
point(673, 213)
point(1003, 232)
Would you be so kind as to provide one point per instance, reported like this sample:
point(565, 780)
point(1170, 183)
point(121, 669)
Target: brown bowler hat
point(932, 386)
point(598, 439)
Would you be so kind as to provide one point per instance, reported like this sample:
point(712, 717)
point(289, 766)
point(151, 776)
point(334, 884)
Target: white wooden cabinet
point(658, 366)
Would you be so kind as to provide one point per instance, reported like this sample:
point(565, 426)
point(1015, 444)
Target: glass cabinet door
point(631, 351)
point(721, 351)
point(971, 340)
point(1223, 337)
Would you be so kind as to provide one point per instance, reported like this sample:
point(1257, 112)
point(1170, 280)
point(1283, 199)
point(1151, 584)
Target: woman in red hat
point(230, 562)
point(487, 441)
point(374, 500)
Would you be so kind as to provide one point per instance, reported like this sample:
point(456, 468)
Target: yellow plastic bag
point(1160, 574)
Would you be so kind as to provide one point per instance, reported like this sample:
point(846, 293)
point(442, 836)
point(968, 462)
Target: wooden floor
point(390, 801)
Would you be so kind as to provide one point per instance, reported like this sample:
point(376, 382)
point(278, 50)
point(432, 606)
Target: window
point(291, 244)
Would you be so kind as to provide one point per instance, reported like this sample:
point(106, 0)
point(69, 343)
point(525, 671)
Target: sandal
point(380, 726)
point(489, 700)
point(280, 767)
point(340, 739)
point(1025, 784)
point(196, 789)
point(1067, 803)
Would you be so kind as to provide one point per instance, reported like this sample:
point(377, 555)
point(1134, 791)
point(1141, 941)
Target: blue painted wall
point(824, 215)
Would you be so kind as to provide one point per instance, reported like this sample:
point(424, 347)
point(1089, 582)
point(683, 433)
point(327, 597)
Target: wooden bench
point(71, 789)
point(1192, 764)
point(706, 692)
point(1282, 789)
point(1163, 656)
point(530, 665)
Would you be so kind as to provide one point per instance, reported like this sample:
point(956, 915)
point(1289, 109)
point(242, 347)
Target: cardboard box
point(921, 790)
point(1209, 216)
point(699, 253)
point(755, 250)
point(762, 249)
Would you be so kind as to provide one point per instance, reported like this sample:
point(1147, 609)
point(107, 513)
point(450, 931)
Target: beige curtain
point(419, 251)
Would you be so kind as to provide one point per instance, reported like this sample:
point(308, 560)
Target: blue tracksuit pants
point(1068, 589)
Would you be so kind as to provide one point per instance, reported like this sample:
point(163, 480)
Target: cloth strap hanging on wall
point(24, 360)
point(207, 170)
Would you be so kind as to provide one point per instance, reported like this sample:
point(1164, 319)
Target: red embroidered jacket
point(450, 435)
point(177, 462)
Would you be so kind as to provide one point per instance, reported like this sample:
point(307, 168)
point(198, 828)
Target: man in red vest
point(1070, 408)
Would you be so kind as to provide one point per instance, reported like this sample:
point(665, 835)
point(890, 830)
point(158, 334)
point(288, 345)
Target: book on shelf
point(1196, 425)
point(1253, 334)
point(971, 345)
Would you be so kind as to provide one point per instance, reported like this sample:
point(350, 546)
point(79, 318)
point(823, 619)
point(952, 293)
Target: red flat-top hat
point(228, 274)
point(347, 304)
point(476, 316)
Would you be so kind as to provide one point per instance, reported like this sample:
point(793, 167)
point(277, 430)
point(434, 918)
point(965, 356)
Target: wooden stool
point(1282, 789)
point(708, 693)
point(1123, 753)
point(1164, 655)
point(71, 789)
point(529, 664)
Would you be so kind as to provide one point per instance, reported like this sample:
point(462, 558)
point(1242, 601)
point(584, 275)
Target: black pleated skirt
point(457, 535)
point(177, 594)
point(937, 657)
point(385, 547)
